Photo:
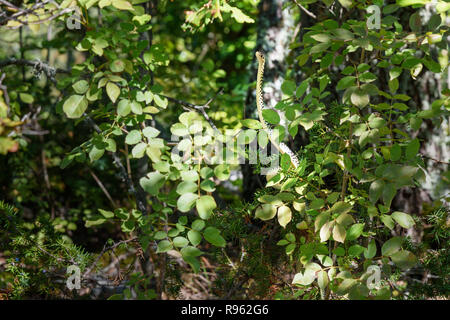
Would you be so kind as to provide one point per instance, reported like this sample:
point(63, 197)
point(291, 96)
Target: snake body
point(260, 106)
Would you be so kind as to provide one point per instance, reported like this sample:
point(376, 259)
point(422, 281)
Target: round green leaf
point(194, 237)
point(75, 106)
point(266, 212)
point(113, 91)
point(403, 219)
point(205, 206)
point(391, 246)
point(180, 242)
point(81, 86)
point(198, 225)
point(212, 235)
point(222, 172)
point(186, 187)
point(271, 116)
point(288, 87)
point(186, 201)
point(164, 246)
point(133, 137)
point(284, 216)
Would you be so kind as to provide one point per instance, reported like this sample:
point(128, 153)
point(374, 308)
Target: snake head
point(260, 56)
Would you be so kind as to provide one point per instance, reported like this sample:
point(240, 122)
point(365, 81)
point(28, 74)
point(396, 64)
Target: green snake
point(282, 148)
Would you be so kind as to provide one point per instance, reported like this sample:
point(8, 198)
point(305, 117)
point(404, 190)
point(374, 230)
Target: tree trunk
point(275, 33)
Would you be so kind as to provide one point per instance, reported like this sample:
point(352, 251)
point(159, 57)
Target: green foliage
point(131, 163)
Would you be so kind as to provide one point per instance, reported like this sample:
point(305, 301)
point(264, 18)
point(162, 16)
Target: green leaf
point(251, 123)
point(345, 286)
point(91, 223)
point(355, 250)
point(321, 47)
point(301, 89)
point(396, 152)
point(387, 221)
point(160, 235)
point(371, 250)
point(136, 107)
point(308, 276)
point(285, 161)
point(106, 214)
point(122, 5)
point(321, 37)
point(222, 172)
point(150, 132)
point(96, 154)
point(341, 207)
point(339, 233)
point(212, 235)
point(133, 137)
point(289, 183)
point(404, 259)
point(208, 185)
point(321, 219)
point(138, 150)
point(186, 187)
point(284, 216)
point(345, 219)
point(194, 237)
point(25, 97)
point(271, 116)
point(393, 85)
point(375, 190)
point(288, 87)
point(152, 182)
point(389, 193)
point(405, 3)
point(322, 279)
point(186, 202)
point(160, 101)
point(190, 251)
point(343, 34)
point(205, 206)
point(377, 122)
point(237, 13)
point(198, 225)
point(346, 82)
point(190, 175)
point(391, 246)
point(113, 91)
point(123, 107)
point(75, 106)
point(164, 246)
point(360, 98)
point(180, 242)
point(355, 231)
point(80, 87)
point(412, 149)
point(403, 219)
point(325, 231)
point(266, 212)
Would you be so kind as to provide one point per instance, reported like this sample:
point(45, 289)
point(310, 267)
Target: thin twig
point(38, 66)
point(100, 184)
point(105, 249)
point(309, 13)
point(435, 160)
point(122, 171)
point(201, 108)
